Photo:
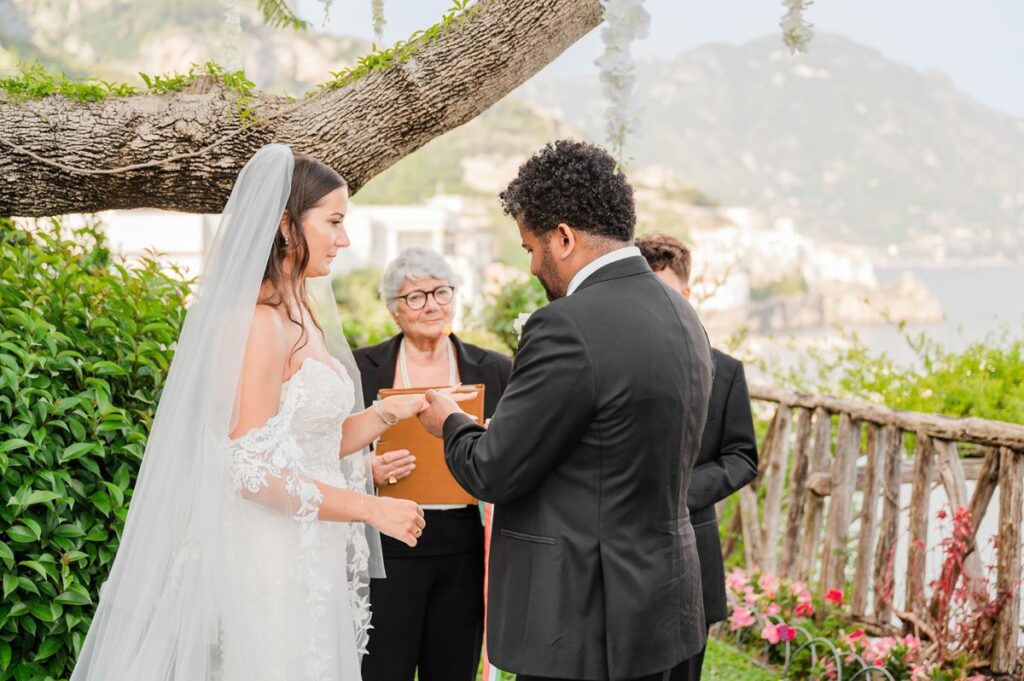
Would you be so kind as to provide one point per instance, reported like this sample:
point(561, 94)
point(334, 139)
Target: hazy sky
point(978, 43)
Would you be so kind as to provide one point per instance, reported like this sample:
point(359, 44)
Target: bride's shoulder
point(268, 334)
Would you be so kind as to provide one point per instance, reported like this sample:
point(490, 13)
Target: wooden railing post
point(869, 503)
point(818, 463)
point(885, 551)
point(917, 551)
point(775, 450)
point(1008, 570)
point(952, 473)
point(844, 472)
point(797, 490)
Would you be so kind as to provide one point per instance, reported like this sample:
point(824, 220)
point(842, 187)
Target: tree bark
point(360, 130)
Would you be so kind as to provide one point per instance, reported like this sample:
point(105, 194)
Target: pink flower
point(798, 587)
point(855, 635)
point(748, 595)
point(919, 672)
point(770, 633)
point(912, 642)
point(879, 662)
point(834, 596)
point(772, 610)
point(769, 585)
point(804, 610)
point(741, 617)
point(941, 514)
point(804, 597)
point(737, 579)
point(786, 633)
point(976, 677)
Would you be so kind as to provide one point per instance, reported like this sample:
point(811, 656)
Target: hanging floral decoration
point(326, 4)
point(796, 32)
point(624, 22)
point(232, 58)
point(378, 21)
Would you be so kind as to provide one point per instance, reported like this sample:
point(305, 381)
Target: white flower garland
point(232, 58)
point(326, 4)
point(796, 32)
point(378, 22)
point(624, 22)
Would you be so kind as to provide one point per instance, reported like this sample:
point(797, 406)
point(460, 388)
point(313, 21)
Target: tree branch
point(182, 151)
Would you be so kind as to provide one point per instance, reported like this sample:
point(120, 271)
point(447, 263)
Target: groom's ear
point(565, 240)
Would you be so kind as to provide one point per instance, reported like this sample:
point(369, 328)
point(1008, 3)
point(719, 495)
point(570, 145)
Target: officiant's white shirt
point(606, 259)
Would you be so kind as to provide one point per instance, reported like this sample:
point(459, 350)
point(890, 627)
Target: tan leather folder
point(430, 482)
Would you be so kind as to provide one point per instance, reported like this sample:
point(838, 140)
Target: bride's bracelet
point(388, 419)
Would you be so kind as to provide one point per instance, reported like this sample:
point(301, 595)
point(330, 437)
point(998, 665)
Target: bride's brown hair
point(312, 180)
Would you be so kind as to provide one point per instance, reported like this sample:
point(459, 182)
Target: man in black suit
point(728, 451)
point(593, 566)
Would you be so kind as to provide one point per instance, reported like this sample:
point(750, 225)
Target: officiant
point(427, 614)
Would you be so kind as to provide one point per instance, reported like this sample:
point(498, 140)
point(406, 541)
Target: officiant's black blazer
point(727, 462)
point(593, 566)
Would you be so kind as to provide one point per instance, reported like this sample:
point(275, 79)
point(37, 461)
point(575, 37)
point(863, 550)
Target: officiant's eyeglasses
point(417, 299)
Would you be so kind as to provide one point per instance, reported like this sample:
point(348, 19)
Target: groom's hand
point(440, 406)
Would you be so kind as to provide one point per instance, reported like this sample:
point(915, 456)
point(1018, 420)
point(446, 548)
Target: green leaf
point(45, 612)
point(69, 530)
point(115, 493)
point(13, 444)
point(41, 497)
point(5, 655)
point(50, 646)
point(10, 584)
point(36, 566)
point(22, 534)
point(101, 501)
point(6, 555)
point(77, 450)
point(75, 595)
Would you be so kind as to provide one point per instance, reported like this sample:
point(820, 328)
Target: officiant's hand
point(390, 466)
point(398, 518)
point(441, 405)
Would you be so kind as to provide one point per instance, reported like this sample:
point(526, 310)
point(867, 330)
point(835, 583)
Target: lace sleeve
point(266, 466)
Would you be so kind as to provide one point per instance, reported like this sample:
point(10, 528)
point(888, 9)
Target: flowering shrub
point(786, 621)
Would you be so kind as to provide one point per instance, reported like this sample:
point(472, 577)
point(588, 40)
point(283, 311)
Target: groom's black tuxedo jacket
point(593, 569)
point(727, 462)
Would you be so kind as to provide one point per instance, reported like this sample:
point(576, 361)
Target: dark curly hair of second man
point(575, 183)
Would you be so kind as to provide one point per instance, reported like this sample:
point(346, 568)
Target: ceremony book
point(430, 482)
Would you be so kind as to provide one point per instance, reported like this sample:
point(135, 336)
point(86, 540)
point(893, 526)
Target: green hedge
point(85, 344)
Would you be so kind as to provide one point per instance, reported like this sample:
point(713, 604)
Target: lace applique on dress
point(277, 464)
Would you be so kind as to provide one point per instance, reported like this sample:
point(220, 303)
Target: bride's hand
point(398, 518)
point(403, 406)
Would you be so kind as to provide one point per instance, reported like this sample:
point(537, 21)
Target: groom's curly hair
point(575, 183)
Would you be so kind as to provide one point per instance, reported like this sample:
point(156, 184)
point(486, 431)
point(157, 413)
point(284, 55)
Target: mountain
point(853, 146)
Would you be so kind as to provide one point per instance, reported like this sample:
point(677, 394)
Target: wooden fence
point(802, 529)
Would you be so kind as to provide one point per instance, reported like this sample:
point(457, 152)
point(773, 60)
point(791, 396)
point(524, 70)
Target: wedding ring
point(392, 480)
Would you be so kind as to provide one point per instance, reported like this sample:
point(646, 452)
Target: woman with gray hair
point(428, 613)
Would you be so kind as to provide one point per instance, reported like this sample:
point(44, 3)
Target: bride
point(252, 533)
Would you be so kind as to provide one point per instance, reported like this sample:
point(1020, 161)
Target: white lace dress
point(297, 588)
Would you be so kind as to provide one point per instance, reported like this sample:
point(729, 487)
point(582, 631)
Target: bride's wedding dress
point(224, 571)
point(297, 586)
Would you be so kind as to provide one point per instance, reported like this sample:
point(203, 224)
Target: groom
point(594, 572)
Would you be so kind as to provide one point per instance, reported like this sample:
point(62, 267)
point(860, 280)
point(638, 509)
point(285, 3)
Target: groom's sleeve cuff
point(456, 422)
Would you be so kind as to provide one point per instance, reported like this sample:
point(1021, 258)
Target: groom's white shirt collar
point(598, 263)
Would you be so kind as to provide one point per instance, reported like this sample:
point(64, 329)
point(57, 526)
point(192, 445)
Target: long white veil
point(160, 611)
